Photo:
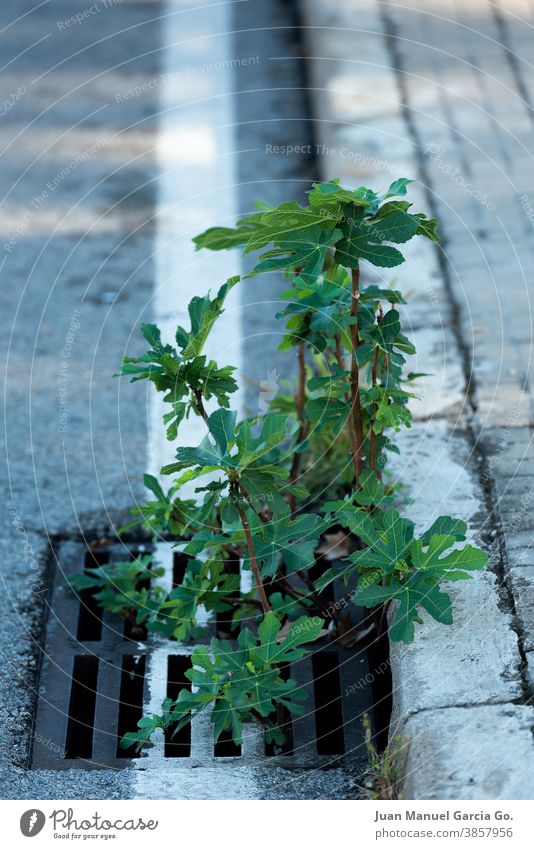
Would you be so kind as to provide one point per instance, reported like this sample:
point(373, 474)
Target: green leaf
point(225, 717)
point(376, 293)
point(205, 455)
point(455, 528)
point(327, 409)
point(224, 238)
point(174, 418)
point(152, 335)
point(428, 227)
point(304, 630)
point(332, 193)
point(283, 222)
point(268, 630)
point(427, 555)
point(397, 226)
point(363, 241)
point(398, 187)
point(221, 425)
point(203, 313)
point(372, 491)
point(306, 249)
point(291, 540)
point(416, 592)
point(153, 485)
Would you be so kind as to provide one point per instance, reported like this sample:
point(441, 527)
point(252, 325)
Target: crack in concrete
point(461, 705)
point(511, 57)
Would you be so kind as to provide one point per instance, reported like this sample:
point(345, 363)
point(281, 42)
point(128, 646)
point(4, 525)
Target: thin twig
point(300, 400)
point(355, 376)
point(228, 599)
point(298, 595)
point(372, 436)
point(374, 381)
point(263, 519)
point(252, 554)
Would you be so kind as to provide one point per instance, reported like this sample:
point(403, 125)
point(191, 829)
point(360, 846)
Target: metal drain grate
point(99, 677)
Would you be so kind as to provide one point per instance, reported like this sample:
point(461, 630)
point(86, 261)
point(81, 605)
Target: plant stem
point(350, 424)
point(263, 519)
point(372, 436)
point(263, 720)
point(228, 599)
point(355, 376)
point(241, 491)
point(252, 554)
point(297, 594)
point(199, 404)
point(374, 381)
point(300, 400)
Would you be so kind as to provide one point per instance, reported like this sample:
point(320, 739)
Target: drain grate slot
point(133, 631)
point(223, 622)
point(177, 743)
point(130, 700)
point(179, 565)
point(328, 708)
point(283, 720)
point(90, 614)
point(80, 725)
point(225, 747)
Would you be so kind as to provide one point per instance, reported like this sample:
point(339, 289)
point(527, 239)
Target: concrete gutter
point(461, 694)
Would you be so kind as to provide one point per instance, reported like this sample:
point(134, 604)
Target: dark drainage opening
point(224, 625)
point(90, 615)
point(179, 565)
point(80, 725)
point(131, 700)
point(328, 709)
point(381, 689)
point(133, 631)
point(225, 747)
point(283, 720)
point(177, 743)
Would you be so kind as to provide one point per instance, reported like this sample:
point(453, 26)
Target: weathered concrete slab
point(522, 582)
point(470, 753)
point(476, 660)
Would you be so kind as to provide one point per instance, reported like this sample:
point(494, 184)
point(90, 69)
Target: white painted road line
point(196, 189)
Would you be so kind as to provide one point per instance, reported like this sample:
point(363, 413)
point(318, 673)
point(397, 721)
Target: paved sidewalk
point(441, 92)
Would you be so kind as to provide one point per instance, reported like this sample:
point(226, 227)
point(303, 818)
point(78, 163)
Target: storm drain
point(100, 675)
